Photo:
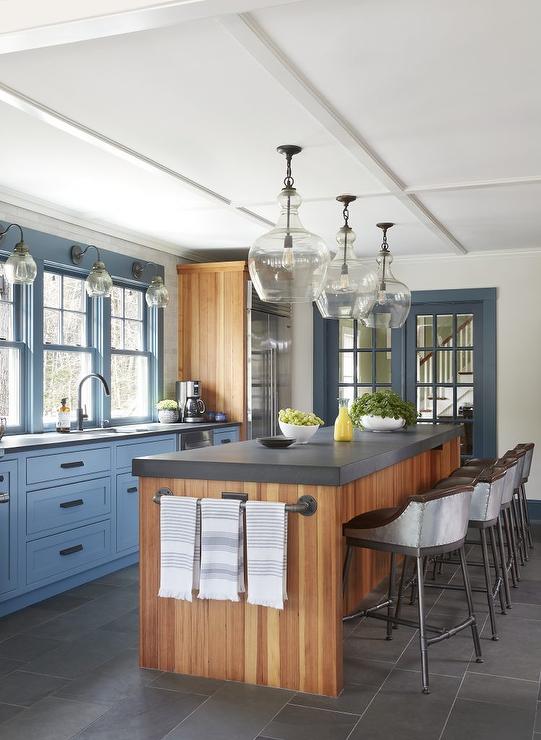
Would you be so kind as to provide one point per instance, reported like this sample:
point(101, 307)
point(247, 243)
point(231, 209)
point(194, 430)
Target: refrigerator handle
point(274, 390)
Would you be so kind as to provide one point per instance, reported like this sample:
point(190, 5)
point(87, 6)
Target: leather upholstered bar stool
point(528, 447)
point(484, 516)
point(426, 525)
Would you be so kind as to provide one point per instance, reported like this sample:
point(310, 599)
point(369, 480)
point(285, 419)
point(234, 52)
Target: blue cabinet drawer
point(150, 446)
point(66, 506)
point(70, 463)
point(127, 512)
point(63, 554)
point(225, 436)
point(8, 526)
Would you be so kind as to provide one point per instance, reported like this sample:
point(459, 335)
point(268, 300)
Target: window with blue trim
point(131, 358)
point(12, 350)
point(68, 353)
point(364, 359)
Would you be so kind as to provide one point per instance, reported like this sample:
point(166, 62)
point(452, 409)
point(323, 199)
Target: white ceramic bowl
point(381, 424)
point(301, 434)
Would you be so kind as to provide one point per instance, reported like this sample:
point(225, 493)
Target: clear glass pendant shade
point(20, 267)
point(99, 282)
point(349, 284)
point(391, 299)
point(288, 264)
point(157, 294)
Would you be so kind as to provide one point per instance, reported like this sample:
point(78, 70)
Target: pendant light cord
point(345, 213)
point(288, 185)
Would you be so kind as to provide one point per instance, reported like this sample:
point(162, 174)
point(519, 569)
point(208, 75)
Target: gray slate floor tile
point(353, 699)
point(497, 690)
point(126, 576)
point(368, 642)
point(51, 719)
point(25, 689)
point(484, 721)
point(111, 681)
point(7, 665)
point(128, 622)
point(518, 652)
point(401, 710)
point(357, 670)
point(23, 620)
point(7, 711)
point(306, 723)
point(63, 602)
point(148, 714)
point(235, 711)
point(188, 684)
point(26, 647)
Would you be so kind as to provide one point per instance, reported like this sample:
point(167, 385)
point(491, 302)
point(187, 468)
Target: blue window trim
point(325, 347)
point(54, 253)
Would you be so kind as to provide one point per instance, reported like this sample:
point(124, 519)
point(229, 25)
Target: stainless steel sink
point(117, 430)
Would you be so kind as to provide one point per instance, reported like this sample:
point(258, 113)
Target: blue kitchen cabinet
point(127, 512)
point(8, 526)
point(225, 436)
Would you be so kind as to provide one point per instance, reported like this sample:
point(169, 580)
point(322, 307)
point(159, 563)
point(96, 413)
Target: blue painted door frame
point(325, 362)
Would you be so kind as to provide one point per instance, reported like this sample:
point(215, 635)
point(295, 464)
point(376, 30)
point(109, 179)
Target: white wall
point(49, 225)
point(518, 280)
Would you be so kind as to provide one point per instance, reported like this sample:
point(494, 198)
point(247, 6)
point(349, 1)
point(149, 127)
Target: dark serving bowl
point(276, 442)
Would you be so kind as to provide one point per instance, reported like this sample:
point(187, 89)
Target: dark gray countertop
point(26, 442)
point(320, 462)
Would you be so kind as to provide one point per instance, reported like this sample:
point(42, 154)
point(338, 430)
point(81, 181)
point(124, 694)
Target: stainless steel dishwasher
point(194, 440)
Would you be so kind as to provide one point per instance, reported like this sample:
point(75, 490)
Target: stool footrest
point(452, 631)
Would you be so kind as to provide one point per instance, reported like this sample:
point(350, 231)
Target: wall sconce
point(20, 267)
point(99, 282)
point(157, 294)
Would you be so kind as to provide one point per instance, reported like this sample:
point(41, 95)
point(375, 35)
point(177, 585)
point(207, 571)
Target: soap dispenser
point(63, 419)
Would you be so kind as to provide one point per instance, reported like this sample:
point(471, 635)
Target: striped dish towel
point(222, 557)
point(266, 553)
point(178, 524)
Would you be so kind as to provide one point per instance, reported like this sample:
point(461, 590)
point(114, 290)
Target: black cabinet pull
point(1, 478)
point(132, 489)
point(224, 441)
point(71, 550)
point(77, 464)
point(71, 504)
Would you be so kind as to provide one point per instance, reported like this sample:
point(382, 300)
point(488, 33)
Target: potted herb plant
point(382, 411)
point(167, 411)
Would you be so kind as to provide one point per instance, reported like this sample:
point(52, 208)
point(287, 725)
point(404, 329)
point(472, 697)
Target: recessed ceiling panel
point(192, 98)
point(442, 91)
point(495, 218)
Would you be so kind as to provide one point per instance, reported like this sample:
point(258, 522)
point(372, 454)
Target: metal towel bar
point(306, 505)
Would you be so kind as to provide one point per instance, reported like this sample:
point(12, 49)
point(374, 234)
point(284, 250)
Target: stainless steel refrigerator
point(269, 364)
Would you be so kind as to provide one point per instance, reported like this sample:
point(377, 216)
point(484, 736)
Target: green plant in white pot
point(382, 411)
point(167, 411)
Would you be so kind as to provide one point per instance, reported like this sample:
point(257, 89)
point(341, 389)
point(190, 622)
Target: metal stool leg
point(524, 499)
point(400, 589)
point(390, 598)
point(511, 544)
point(422, 636)
point(520, 529)
point(503, 563)
point(469, 599)
point(499, 576)
point(488, 584)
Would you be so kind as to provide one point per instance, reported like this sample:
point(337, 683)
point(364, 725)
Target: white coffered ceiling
point(161, 120)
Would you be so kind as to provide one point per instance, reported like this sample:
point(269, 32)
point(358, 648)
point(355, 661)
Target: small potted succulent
point(382, 411)
point(167, 411)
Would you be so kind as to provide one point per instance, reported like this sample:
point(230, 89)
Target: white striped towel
point(178, 524)
point(266, 553)
point(222, 557)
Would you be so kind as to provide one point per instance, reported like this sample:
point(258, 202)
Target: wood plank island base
point(299, 648)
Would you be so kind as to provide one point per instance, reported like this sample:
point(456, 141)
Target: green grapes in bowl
point(299, 425)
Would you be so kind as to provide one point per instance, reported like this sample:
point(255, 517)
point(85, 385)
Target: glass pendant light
point(349, 283)
point(20, 267)
point(98, 283)
point(157, 294)
point(288, 264)
point(391, 299)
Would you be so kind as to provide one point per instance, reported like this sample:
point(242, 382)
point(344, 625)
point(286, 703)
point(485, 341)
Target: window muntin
point(7, 309)
point(67, 354)
point(131, 362)
point(11, 356)
point(364, 359)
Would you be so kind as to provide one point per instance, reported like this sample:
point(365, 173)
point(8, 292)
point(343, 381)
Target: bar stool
point(425, 525)
point(518, 508)
point(528, 447)
point(484, 516)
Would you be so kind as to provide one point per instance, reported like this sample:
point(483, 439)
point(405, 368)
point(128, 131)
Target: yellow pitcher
point(343, 426)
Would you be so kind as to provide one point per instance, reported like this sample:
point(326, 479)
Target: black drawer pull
point(1, 478)
point(71, 550)
point(224, 441)
point(71, 504)
point(77, 464)
point(132, 489)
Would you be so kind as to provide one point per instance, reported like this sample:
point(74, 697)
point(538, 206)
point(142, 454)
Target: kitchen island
point(299, 648)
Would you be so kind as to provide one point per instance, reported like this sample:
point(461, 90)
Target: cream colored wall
point(68, 230)
point(517, 278)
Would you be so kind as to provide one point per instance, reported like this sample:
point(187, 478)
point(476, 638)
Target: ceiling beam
point(57, 25)
point(51, 117)
point(263, 49)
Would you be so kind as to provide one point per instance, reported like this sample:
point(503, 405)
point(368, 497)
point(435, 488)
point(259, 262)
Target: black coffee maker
point(192, 407)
